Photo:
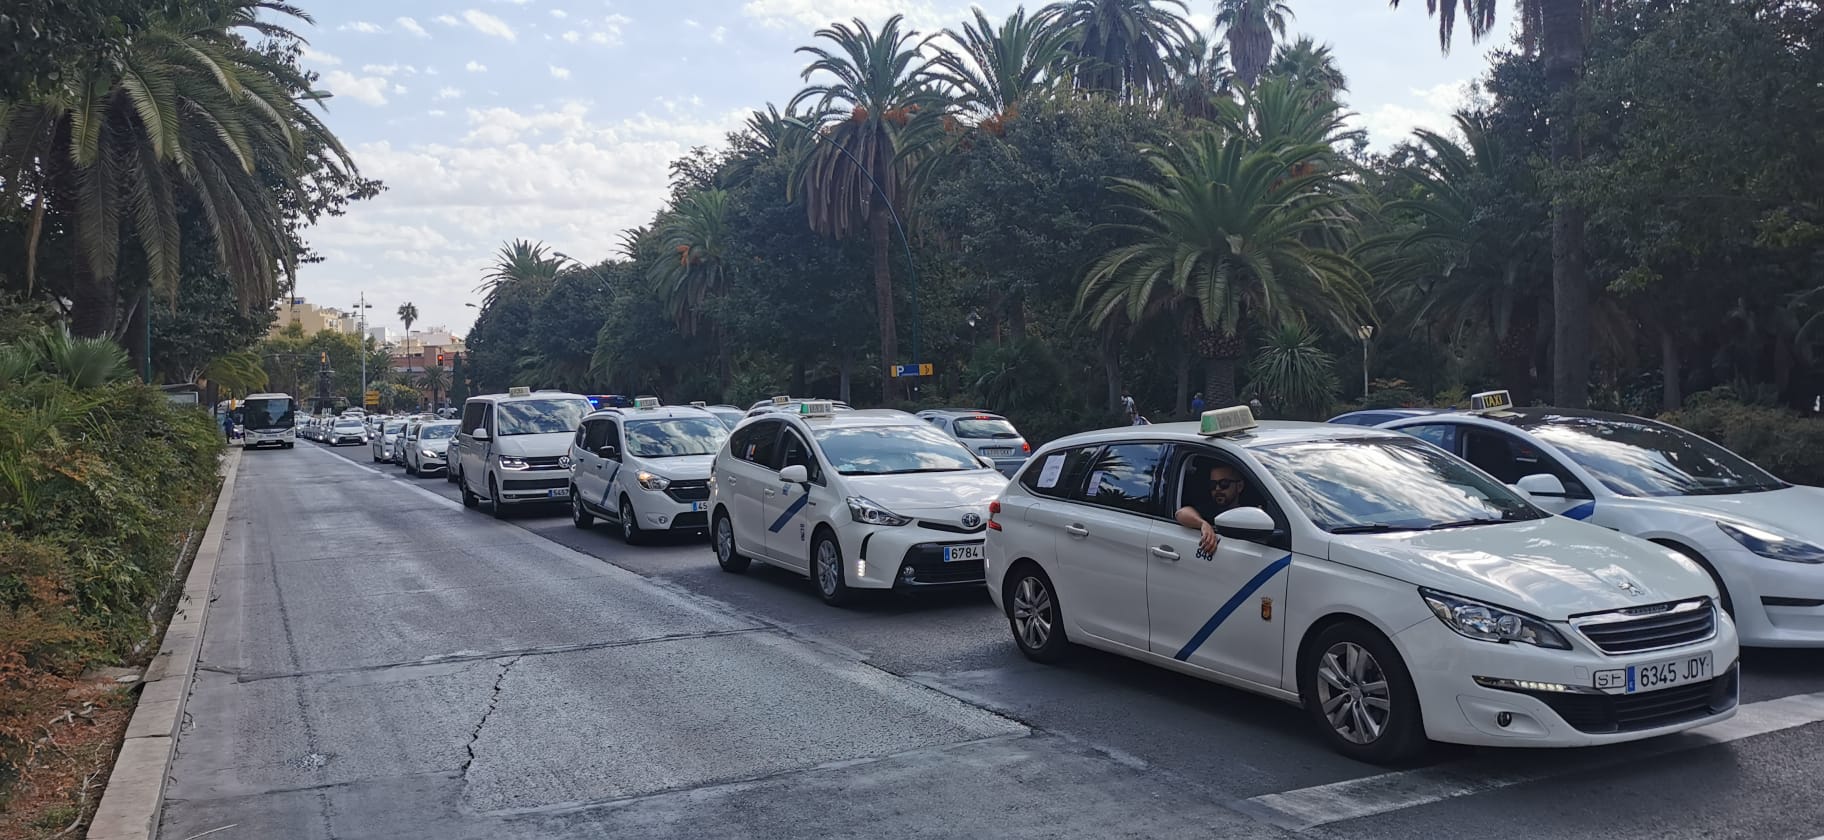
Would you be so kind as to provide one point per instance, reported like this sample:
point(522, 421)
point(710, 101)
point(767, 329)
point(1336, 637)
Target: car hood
point(929, 491)
point(1793, 511)
point(1553, 568)
point(684, 467)
point(548, 445)
point(435, 444)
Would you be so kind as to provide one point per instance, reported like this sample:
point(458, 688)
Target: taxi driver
point(1222, 487)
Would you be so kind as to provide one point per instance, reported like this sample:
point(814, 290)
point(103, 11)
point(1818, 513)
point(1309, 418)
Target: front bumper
point(880, 557)
point(1458, 709)
point(253, 439)
point(683, 507)
point(1777, 603)
point(534, 486)
point(338, 440)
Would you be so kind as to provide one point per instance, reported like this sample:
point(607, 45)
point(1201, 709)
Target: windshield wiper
point(1465, 523)
point(1368, 529)
point(907, 472)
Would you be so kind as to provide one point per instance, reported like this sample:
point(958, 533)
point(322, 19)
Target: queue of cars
point(1427, 576)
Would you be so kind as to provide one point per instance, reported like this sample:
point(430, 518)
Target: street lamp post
point(362, 308)
point(1365, 332)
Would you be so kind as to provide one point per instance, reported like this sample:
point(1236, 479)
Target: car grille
point(950, 528)
point(694, 490)
point(696, 519)
point(535, 483)
point(929, 569)
point(1609, 713)
point(545, 462)
point(1647, 628)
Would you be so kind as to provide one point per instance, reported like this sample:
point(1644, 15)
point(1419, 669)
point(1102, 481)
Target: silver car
point(424, 448)
point(386, 439)
point(987, 435)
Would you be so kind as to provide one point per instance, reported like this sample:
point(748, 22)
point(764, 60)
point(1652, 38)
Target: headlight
point(511, 463)
point(653, 482)
point(427, 453)
point(1772, 546)
point(1486, 623)
point(865, 511)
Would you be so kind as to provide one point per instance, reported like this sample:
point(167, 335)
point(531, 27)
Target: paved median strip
point(1312, 807)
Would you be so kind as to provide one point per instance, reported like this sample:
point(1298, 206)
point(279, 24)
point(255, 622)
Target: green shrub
point(1784, 443)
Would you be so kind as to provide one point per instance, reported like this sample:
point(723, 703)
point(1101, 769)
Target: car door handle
point(1165, 552)
point(770, 491)
point(1076, 530)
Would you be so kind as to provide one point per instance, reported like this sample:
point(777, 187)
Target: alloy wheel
point(1352, 692)
point(829, 572)
point(1032, 613)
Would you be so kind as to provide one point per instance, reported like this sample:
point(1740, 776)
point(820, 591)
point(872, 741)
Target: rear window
point(980, 428)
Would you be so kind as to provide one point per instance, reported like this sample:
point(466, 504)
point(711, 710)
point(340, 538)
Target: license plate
point(959, 553)
point(697, 507)
point(997, 450)
point(561, 493)
point(1654, 676)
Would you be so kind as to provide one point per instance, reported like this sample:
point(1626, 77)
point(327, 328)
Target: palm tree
point(1293, 373)
point(408, 313)
point(187, 111)
point(434, 379)
point(995, 71)
point(1199, 75)
point(520, 262)
point(1225, 235)
point(80, 363)
point(872, 132)
point(690, 269)
point(1557, 28)
point(1310, 65)
point(1121, 45)
point(239, 372)
point(1251, 25)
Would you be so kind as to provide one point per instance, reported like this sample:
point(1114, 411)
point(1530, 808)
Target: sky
point(554, 120)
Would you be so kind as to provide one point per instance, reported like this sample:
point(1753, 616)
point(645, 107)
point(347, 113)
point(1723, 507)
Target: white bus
point(270, 420)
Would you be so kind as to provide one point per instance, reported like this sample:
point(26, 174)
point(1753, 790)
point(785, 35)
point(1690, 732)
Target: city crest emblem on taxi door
point(1266, 609)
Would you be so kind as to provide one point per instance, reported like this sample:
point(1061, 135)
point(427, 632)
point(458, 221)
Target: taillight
point(994, 507)
point(1026, 447)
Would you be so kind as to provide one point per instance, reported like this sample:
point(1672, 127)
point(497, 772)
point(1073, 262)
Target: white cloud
point(573, 36)
point(559, 72)
point(429, 70)
point(436, 112)
point(362, 27)
point(449, 93)
point(475, 67)
point(719, 34)
point(691, 23)
point(316, 56)
point(488, 24)
point(370, 90)
point(604, 38)
point(412, 26)
point(447, 20)
point(389, 69)
point(560, 14)
point(1393, 122)
point(782, 14)
point(398, 88)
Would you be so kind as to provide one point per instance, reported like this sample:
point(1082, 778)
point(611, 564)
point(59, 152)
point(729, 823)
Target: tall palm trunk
point(1252, 47)
point(96, 308)
point(1219, 381)
point(1671, 373)
point(1562, 50)
point(881, 238)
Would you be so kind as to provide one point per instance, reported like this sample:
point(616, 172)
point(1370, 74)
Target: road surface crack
point(493, 700)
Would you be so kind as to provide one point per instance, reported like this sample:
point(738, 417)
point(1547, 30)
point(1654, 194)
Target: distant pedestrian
point(228, 426)
point(1127, 405)
point(1255, 407)
point(1197, 405)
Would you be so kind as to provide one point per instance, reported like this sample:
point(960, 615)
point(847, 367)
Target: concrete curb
point(136, 788)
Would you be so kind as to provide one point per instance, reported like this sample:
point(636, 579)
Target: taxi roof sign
point(1222, 421)
point(1490, 401)
point(816, 408)
point(698, 404)
point(645, 402)
point(519, 391)
point(781, 399)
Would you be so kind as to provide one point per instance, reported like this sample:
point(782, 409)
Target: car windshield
point(1386, 484)
point(540, 417)
point(440, 431)
point(1642, 458)
point(729, 418)
point(675, 437)
point(348, 425)
point(979, 428)
point(268, 414)
point(892, 450)
point(395, 428)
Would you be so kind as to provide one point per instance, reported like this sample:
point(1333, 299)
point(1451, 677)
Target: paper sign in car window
point(1048, 476)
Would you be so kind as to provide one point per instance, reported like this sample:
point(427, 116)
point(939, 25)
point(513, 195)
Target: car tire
point(496, 505)
point(370, 454)
point(409, 469)
point(631, 532)
point(286, 445)
point(579, 515)
point(1035, 617)
point(827, 572)
point(1351, 668)
point(469, 499)
point(723, 537)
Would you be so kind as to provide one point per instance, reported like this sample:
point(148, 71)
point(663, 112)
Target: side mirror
point(795, 474)
point(1248, 523)
point(480, 434)
point(986, 461)
point(1541, 486)
point(609, 451)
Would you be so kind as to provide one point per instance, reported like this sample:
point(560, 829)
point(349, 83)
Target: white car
point(645, 468)
point(1394, 591)
point(343, 430)
point(385, 436)
point(514, 448)
point(1761, 539)
point(852, 499)
point(423, 451)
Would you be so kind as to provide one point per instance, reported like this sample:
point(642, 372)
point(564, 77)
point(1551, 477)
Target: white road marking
point(1307, 808)
point(442, 500)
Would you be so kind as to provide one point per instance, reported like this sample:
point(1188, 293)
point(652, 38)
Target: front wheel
point(826, 571)
point(631, 532)
point(1033, 615)
point(1358, 691)
point(579, 516)
point(469, 499)
point(497, 505)
point(286, 445)
point(726, 556)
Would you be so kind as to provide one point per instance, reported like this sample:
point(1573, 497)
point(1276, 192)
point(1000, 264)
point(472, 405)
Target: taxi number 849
point(1656, 675)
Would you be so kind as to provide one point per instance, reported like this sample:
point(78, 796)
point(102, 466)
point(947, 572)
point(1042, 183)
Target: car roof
point(535, 395)
point(1527, 417)
point(1267, 433)
point(961, 412)
point(664, 412)
point(850, 419)
point(1374, 416)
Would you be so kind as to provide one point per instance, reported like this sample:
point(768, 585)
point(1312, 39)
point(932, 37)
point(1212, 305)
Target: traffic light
point(440, 360)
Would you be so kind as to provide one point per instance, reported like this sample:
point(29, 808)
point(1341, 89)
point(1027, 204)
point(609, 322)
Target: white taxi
point(1761, 539)
point(1394, 591)
point(646, 468)
point(853, 499)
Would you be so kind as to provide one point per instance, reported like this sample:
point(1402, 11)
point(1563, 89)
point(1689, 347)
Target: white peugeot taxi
point(853, 499)
point(646, 468)
point(1761, 539)
point(1396, 592)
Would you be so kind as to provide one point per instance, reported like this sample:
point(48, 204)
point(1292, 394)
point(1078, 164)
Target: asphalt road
point(381, 663)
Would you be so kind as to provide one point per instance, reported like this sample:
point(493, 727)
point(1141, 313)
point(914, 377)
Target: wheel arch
point(1317, 628)
point(1716, 576)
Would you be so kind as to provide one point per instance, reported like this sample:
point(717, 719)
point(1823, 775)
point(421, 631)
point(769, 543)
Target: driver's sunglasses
point(1225, 483)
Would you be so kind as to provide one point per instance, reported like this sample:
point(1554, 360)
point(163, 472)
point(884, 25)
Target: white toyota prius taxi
point(1393, 590)
point(852, 499)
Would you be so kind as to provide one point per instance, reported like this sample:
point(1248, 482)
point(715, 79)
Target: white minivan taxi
point(855, 500)
point(1396, 592)
point(515, 448)
point(645, 468)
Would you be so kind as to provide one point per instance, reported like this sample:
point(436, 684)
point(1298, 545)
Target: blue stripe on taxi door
point(803, 499)
point(1583, 511)
point(1249, 588)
